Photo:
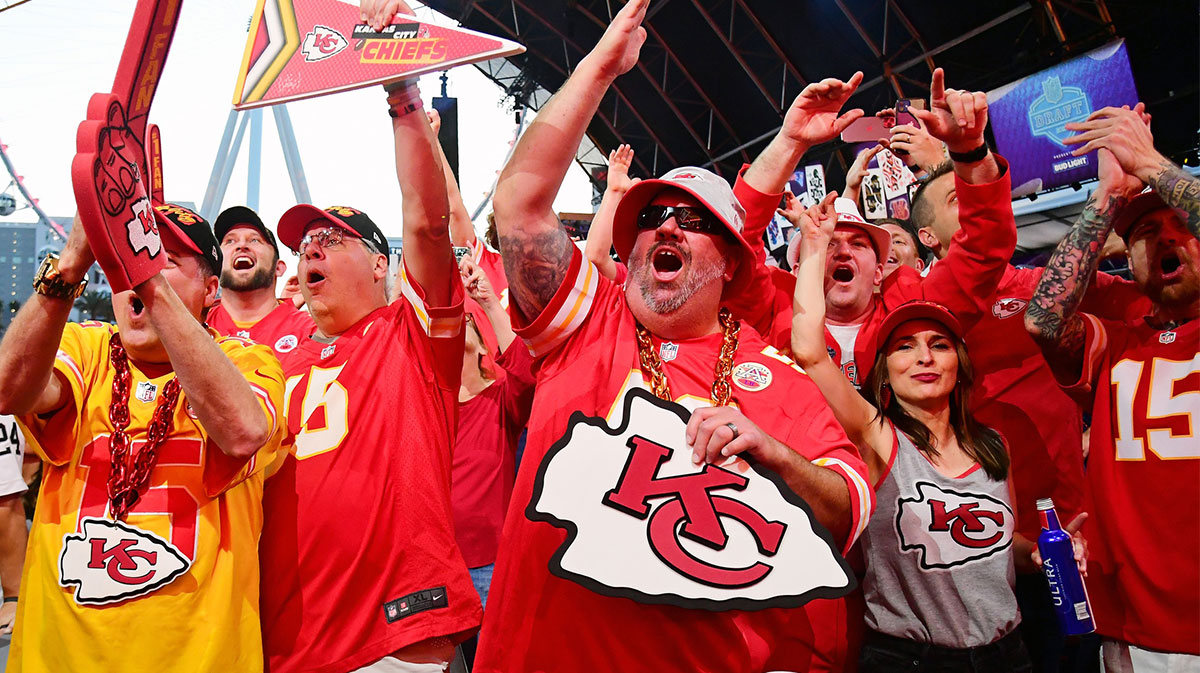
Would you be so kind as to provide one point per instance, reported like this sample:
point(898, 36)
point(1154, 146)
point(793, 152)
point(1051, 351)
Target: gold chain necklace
point(721, 391)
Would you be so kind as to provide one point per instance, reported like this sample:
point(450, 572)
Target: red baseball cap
point(919, 309)
point(1146, 202)
point(711, 190)
point(297, 218)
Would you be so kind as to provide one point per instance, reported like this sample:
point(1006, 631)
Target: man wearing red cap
point(1142, 378)
point(665, 332)
point(248, 307)
point(361, 569)
point(156, 435)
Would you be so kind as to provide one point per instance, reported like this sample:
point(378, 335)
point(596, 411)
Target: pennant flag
point(305, 48)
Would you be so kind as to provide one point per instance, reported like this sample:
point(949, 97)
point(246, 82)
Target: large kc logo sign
point(644, 523)
point(111, 561)
point(692, 504)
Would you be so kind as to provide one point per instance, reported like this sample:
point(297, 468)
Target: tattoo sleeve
point(536, 263)
point(1180, 190)
point(1051, 317)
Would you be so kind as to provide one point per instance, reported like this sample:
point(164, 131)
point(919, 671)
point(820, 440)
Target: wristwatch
point(48, 281)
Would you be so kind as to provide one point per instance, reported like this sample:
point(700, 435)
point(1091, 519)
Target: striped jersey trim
point(570, 314)
point(862, 492)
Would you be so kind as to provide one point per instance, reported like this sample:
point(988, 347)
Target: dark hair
point(490, 236)
point(911, 230)
point(922, 210)
point(979, 441)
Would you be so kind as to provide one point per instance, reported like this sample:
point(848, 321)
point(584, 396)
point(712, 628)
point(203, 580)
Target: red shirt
point(493, 267)
point(358, 552)
point(586, 341)
point(281, 329)
point(1144, 573)
point(489, 426)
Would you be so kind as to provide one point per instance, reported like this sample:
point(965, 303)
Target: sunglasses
point(687, 218)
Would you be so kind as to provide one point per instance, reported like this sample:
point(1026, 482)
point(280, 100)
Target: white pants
point(1121, 657)
point(391, 664)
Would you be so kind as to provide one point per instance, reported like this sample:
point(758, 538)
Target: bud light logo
point(950, 528)
point(1058, 104)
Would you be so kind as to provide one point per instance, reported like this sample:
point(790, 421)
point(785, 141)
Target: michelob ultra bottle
point(1066, 584)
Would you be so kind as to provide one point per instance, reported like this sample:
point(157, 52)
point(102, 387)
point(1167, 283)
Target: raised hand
point(956, 117)
point(1122, 131)
point(1113, 178)
point(435, 120)
point(379, 13)
point(476, 283)
point(924, 151)
point(618, 49)
point(619, 161)
point(816, 114)
point(858, 171)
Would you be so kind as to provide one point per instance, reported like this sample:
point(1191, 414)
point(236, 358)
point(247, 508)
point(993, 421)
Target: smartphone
point(867, 128)
point(460, 251)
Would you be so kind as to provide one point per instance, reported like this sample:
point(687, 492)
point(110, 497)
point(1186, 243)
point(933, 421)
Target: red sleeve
point(1114, 298)
point(518, 383)
point(760, 208)
point(1095, 346)
point(966, 280)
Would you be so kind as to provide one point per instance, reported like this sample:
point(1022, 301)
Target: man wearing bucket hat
point(361, 568)
point(155, 433)
point(663, 331)
point(248, 307)
point(1139, 377)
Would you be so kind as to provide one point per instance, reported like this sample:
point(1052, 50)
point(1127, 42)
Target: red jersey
point(485, 452)
point(281, 329)
point(358, 550)
point(1143, 574)
point(538, 621)
point(1016, 394)
point(493, 265)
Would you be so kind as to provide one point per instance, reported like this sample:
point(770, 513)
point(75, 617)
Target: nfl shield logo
point(146, 391)
point(668, 351)
point(327, 351)
point(243, 334)
point(1166, 338)
point(392, 612)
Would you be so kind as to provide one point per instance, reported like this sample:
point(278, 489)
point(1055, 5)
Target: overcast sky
point(56, 53)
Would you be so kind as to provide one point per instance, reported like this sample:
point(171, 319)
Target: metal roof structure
point(716, 75)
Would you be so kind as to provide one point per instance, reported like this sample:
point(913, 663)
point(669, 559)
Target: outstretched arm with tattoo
point(536, 250)
point(1126, 133)
point(1052, 318)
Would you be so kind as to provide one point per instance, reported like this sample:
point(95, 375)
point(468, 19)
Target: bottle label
point(1081, 611)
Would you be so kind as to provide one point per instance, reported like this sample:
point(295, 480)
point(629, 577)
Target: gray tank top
point(939, 555)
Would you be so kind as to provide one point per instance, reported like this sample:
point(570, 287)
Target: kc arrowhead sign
point(304, 48)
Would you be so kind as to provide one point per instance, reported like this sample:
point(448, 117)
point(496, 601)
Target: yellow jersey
point(175, 585)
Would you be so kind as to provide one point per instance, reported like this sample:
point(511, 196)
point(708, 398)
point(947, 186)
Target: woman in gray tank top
point(939, 547)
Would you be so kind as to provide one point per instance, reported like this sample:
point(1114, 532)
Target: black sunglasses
point(688, 219)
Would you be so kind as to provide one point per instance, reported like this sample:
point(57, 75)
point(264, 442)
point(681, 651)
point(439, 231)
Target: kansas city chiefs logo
point(322, 43)
point(142, 228)
point(112, 561)
point(948, 528)
point(1008, 307)
point(645, 523)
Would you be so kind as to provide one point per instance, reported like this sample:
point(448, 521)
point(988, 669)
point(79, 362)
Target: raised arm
point(462, 231)
point(1126, 133)
point(480, 289)
point(31, 342)
point(857, 417)
point(858, 171)
point(599, 238)
point(1052, 318)
point(536, 250)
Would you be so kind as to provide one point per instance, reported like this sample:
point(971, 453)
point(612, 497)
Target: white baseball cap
point(847, 215)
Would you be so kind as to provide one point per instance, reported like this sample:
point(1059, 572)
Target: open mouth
point(666, 262)
point(314, 277)
point(843, 274)
point(136, 306)
point(892, 259)
point(1170, 266)
point(243, 262)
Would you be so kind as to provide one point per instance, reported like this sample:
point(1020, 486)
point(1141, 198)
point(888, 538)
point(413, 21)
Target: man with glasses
point(663, 331)
point(248, 307)
point(361, 569)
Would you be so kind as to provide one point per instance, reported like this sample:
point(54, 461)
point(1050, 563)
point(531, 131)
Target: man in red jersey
point(1143, 380)
point(361, 569)
point(248, 307)
point(662, 331)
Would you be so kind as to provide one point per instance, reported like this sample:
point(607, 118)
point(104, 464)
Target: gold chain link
point(721, 390)
point(126, 481)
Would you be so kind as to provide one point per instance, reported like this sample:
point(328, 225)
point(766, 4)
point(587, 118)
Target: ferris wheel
point(10, 202)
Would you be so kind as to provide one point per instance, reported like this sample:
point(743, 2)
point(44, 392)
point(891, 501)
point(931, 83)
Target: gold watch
point(48, 281)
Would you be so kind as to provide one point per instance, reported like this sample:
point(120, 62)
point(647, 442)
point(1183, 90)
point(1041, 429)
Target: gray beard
point(697, 277)
point(261, 278)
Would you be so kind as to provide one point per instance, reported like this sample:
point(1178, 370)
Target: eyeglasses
point(688, 219)
point(327, 238)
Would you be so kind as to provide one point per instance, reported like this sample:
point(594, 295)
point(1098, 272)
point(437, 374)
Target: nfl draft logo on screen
point(645, 523)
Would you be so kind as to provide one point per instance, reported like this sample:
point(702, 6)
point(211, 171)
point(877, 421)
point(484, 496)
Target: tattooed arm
point(1052, 318)
point(535, 248)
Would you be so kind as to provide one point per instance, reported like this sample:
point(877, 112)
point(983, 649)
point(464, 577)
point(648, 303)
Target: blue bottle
point(1067, 589)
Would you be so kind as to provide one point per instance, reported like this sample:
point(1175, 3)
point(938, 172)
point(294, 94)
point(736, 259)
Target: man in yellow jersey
point(143, 554)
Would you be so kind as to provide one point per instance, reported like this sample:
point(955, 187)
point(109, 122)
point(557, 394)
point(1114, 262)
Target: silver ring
point(733, 427)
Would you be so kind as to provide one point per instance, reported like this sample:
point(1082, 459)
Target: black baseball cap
point(239, 215)
point(192, 230)
point(293, 222)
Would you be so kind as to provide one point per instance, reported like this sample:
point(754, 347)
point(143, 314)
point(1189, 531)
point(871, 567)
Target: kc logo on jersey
point(322, 43)
point(1008, 307)
point(112, 561)
point(645, 523)
point(948, 528)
